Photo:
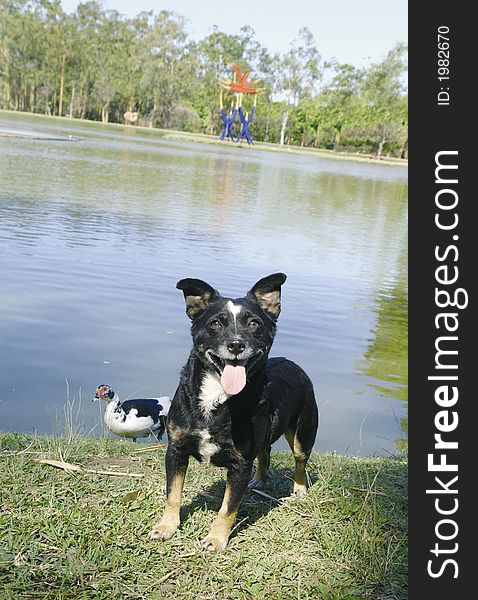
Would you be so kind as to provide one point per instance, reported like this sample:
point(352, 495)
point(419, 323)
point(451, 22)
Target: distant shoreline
point(202, 138)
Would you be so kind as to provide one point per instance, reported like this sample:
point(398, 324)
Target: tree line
point(97, 64)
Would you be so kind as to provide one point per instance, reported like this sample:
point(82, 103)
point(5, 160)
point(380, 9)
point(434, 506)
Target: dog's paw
point(214, 542)
point(300, 491)
point(163, 530)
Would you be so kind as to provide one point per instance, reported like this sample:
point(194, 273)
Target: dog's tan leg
point(299, 476)
point(176, 474)
point(236, 485)
point(218, 536)
point(170, 520)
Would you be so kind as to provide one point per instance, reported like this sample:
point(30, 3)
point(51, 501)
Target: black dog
point(233, 402)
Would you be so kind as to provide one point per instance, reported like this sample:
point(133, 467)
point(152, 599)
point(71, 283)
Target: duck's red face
point(103, 392)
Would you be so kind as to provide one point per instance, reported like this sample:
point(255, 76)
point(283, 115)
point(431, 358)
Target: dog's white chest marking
point(206, 447)
point(211, 394)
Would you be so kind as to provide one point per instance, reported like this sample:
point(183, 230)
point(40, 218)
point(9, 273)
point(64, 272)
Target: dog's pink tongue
point(233, 378)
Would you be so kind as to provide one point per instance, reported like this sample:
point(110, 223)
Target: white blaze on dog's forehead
point(235, 309)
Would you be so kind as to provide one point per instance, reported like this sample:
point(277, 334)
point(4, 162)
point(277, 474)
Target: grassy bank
point(84, 534)
point(202, 138)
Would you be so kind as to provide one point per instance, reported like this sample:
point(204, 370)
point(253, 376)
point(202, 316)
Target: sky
point(352, 31)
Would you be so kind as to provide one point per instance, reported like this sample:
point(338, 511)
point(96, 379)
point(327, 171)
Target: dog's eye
point(215, 324)
point(253, 324)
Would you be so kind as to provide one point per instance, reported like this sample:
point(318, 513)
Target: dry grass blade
point(71, 468)
point(25, 450)
point(151, 448)
point(130, 496)
point(118, 473)
point(264, 495)
point(61, 464)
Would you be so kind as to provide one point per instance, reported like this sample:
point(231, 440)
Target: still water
point(95, 232)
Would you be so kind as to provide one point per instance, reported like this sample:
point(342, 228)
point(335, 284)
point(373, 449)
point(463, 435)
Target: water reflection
point(95, 234)
point(386, 358)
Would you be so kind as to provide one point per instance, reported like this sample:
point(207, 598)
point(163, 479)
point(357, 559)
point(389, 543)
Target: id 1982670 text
point(443, 65)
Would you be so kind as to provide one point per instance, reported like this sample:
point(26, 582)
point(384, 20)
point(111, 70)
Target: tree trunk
point(402, 153)
point(266, 133)
point(81, 101)
point(380, 147)
point(283, 128)
point(105, 113)
point(317, 137)
point(70, 110)
point(62, 85)
point(154, 112)
point(21, 100)
point(338, 135)
point(6, 89)
point(32, 97)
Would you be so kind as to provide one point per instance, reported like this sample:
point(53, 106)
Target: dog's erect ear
point(197, 294)
point(267, 293)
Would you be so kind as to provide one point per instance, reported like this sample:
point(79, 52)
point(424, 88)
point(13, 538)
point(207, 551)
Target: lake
point(96, 230)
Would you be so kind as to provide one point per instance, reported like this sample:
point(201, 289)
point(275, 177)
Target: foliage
point(96, 64)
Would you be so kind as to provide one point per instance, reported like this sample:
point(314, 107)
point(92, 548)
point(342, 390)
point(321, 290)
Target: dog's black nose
point(235, 346)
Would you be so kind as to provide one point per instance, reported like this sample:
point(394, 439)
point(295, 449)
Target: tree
point(299, 73)
point(340, 98)
point(382, 89)
point(168, 68)
point(216, 52)
point(134, 61)
point(85, 67)
point(97, 64)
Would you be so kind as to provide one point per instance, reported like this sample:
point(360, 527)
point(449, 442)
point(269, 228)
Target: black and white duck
point(135, 417)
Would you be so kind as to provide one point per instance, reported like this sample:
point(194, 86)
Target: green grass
point(84, 536)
